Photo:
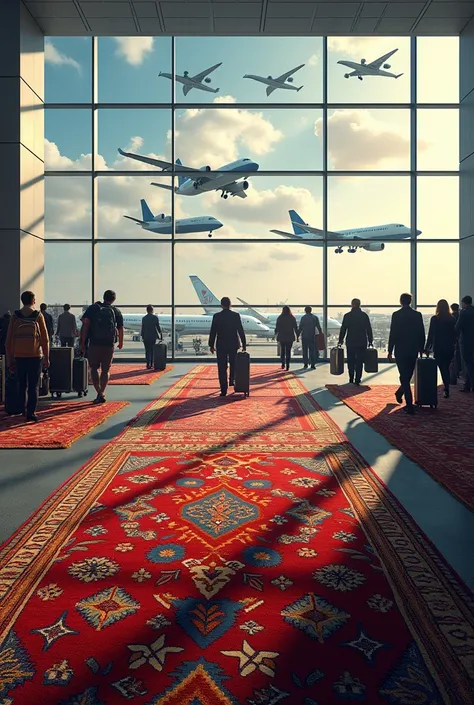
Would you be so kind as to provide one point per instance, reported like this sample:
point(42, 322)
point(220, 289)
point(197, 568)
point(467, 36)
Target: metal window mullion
point(413, 174)
point(325, 188)
point(173, 240)
point(94, 150)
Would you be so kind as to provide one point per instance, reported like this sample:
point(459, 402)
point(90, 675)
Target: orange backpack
point(26, 334)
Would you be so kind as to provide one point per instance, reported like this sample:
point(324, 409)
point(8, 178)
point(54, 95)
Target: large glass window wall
point(178, 170)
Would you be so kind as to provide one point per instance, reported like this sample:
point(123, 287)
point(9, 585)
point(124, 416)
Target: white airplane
point(162, 223)
point(391, 231)
point(211, 305)
point(223, 179)
point(283, 81)
point(190, 325)
point(190, 82)
point(372, 69)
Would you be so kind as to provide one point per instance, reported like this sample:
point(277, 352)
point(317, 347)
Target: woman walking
point(286, 331)
point(442, 340)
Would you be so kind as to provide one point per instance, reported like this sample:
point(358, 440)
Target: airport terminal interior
point(303, 534)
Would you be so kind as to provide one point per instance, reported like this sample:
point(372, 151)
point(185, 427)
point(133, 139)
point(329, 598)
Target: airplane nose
point(255, 166)
point(418, 232)
point(218, 223)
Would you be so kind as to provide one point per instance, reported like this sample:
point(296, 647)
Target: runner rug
point(61, 423)
point(230, 562)
point(441, 441)
point(121, 373)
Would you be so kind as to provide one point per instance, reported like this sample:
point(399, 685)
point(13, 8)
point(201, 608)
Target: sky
point(359, 139)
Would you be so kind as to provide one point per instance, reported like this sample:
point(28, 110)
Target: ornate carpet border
point(433, 601)
point(143, 378)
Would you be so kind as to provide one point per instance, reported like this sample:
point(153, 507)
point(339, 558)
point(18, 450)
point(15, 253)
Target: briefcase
point(321, 341)
point(242, 374)
point(426, 382)
point(44, 384)
point(336, 361)
point(371, 363)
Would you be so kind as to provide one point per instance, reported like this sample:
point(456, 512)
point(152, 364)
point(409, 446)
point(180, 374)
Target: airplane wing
point(270, 90)
point(378, 62)
point(165, 186)
point(139, 222)
point(285, 234)
point(200, 76)
point(186, 89)
point(286, 75)
point(241, 194)
point(166, 166)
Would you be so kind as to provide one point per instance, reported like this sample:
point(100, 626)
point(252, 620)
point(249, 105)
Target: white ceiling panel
point(231, 17)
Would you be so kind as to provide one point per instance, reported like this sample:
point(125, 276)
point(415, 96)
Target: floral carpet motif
point(229, 576)
point(61, 424)
point(440, 441)
point(121, 373)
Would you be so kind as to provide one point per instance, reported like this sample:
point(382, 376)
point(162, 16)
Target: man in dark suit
point(407, 337)
point(458, 366)
point(356, 324)
point(228, 330)
point(465, 332)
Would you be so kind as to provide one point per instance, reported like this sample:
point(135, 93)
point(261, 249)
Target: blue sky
point(358, 139)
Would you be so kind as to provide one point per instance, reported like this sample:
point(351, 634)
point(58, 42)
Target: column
point(21, 155)
point(466, 159)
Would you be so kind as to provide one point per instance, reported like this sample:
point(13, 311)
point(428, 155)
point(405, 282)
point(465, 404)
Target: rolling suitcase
point(336, 361)
point(159, 356)
point(320, 341)
point(60, 371)
point(44, 384)
point(80, 376)
point(371, 363)
point(426, 382)
point(242, 374)
point(12, 396)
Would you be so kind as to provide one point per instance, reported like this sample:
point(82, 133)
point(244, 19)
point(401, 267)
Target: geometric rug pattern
point(122, 373)
point(61, 423)
point(230, 573)
point(441, 440)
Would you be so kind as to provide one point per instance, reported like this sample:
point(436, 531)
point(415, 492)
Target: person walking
point(357, 330)
point(286, 331)
point(308, 329)
point(226, 336)
point(27, 349)
point(102, 324)
point(150, 333)
point(465, 333)
point(407, 339)
point(48, 319)
point(442, 340)
point(67, 328)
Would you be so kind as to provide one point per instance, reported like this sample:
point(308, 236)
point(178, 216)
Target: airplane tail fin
point(398, 75)
point(298, 89)
point(181, 179)
point(207, 299)
point(146, 212)
point(295, 219)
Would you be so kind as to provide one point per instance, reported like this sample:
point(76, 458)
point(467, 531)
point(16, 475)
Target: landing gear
point(224, 195)
point(360, 78)
point(209, 234)
point(352, 250)
point(338, 250)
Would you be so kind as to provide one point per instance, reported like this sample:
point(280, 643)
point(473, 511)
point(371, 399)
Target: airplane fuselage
point(273, 83)
point(188, 81)
point(390, 231)
point(366, 70)
point(183, 226)
point(242, 168)
point(190, 325)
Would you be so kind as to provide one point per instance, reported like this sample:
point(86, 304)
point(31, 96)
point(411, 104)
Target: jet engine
point(374, 246)
point(346, 75)
point(205, 168)
point(238, 187)
point(270, 78)
point(290, 79)
point(387, 66)
point(363, 61)
point(207, 80)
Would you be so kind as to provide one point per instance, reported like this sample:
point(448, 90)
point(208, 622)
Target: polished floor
point(27, 477)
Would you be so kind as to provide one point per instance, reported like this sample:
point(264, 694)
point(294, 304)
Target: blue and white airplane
point(391, 231)
point(223, 179)
point(161, 223)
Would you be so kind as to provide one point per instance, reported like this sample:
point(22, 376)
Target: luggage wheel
point(58, 395)
point(80, 394)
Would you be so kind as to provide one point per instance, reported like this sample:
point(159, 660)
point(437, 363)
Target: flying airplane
point(198, 324)
point(372, 69)
point(162, 223)
point(391, 231)
point(223, 179)
point(283, 81)
point(190, 82)
point(211, 305)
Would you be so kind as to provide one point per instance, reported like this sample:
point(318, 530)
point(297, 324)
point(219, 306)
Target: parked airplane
point(190, 82)
point(198, 324)
point(223, 179)
point(283, 81)
point(372, 69)
point(162, 223)
point(211, 305)
point(391, 231)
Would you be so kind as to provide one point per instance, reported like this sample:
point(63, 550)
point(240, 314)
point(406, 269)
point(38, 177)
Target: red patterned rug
point(121, 373)
point(61, 423)
point(176, 573)
point(441, 441)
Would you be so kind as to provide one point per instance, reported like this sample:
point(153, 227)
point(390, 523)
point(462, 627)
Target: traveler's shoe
point(410, 410)
point(446, 393)
point(223, 394)
point(283, 367)
point(399, 396)
point(32, 417)
point(313, 367)
point(100, 399)
point(357, 383)
point(287, 368)
point(306, 367)
point(351, 380)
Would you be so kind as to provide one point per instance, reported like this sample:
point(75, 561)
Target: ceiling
point(249, 17)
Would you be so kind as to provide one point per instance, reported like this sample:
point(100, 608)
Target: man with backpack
point(102, 323)
point(27, 349)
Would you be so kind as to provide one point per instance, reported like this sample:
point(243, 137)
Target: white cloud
point(54, 56)
point(134, 49)
point(359, 47)
point(313, 60)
